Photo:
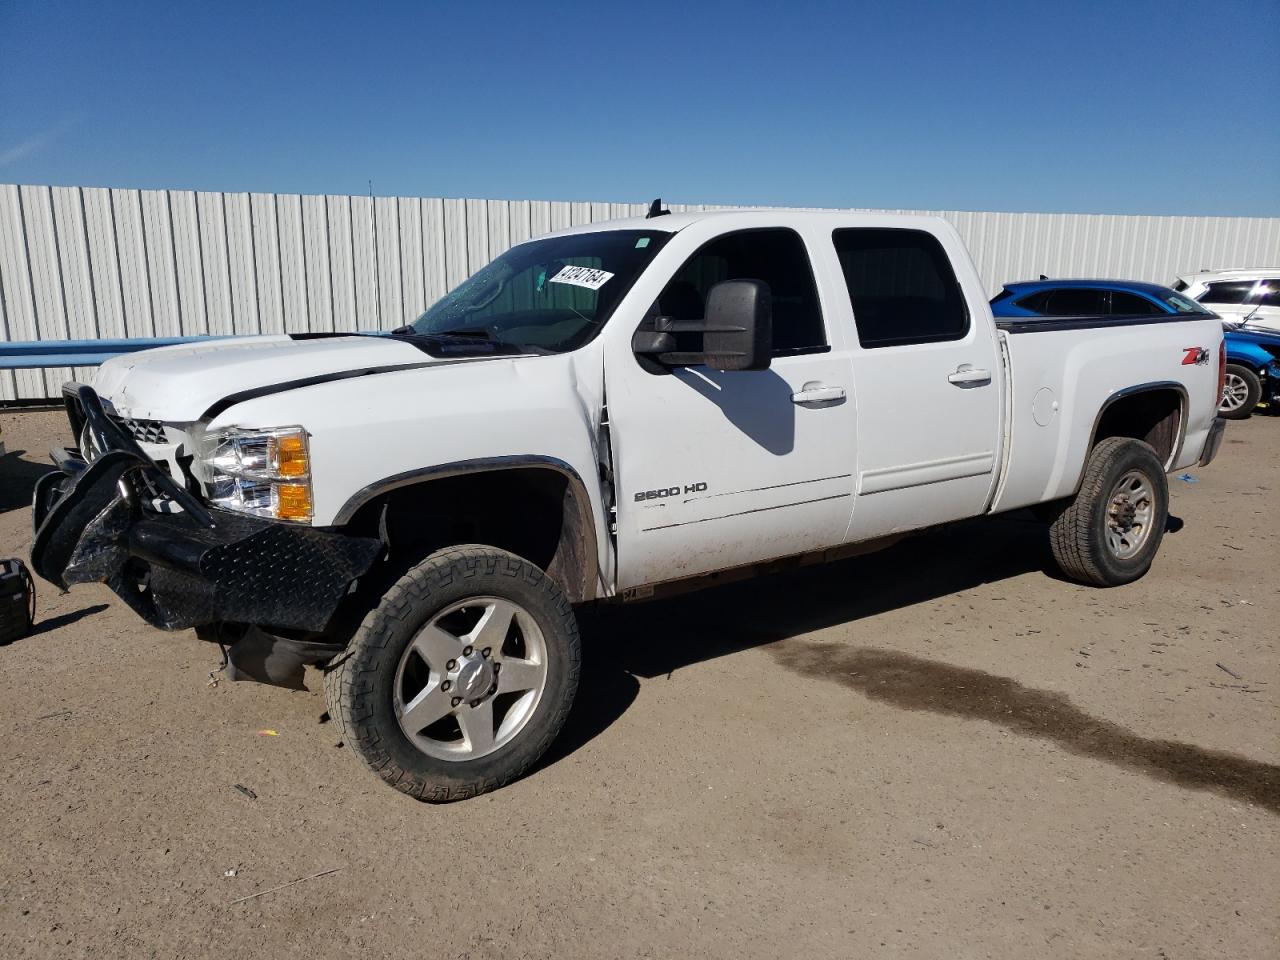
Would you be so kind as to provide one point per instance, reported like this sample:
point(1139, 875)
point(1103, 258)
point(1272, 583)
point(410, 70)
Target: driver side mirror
point(737, 332)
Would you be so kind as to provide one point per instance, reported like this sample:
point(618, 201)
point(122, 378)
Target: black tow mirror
point(739, 326)
point(737, 333)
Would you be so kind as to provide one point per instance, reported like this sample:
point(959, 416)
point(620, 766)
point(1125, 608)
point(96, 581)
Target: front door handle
point(816, 392)
point(966, 374)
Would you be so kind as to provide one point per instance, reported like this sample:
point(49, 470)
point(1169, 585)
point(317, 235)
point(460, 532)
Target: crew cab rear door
point(717, 469)
point(927, 370)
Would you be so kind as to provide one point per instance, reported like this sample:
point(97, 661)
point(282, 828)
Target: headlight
point(263, 472)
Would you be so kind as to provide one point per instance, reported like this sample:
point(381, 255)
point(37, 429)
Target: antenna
point(656, 210)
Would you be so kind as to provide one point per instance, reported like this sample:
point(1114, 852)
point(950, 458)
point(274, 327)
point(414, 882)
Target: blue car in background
point(1253, 355)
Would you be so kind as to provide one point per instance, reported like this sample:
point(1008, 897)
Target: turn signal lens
point(289, 455)
point(293, 501)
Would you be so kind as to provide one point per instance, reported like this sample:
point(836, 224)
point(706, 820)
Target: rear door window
point(1180, 304)
point(1132, 305)
point(1229, 292)
point(901, 287)
point(1075, 302)
point(1035, 302)
point(1268, 293)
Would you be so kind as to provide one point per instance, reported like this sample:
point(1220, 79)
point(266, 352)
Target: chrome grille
point(144, 431)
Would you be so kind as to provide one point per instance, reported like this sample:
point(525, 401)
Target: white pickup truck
point(605, 413)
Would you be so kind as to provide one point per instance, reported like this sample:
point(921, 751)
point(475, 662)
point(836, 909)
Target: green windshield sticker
point(642, 243)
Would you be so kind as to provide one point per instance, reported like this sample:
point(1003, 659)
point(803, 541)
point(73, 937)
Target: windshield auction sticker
point(583, 277)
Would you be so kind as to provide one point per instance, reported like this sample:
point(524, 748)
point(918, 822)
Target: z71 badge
point(1194, 355)
point(673, 491)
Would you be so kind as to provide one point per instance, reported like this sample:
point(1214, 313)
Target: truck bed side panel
point(1063, 379)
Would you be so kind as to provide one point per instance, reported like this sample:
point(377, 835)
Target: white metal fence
point(89, 262)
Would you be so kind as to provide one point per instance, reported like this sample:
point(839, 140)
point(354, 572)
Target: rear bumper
point(122, 521)
point(1213, 441)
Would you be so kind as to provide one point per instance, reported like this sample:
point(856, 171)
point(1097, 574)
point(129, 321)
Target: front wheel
point(1241, 391)
point(461, 677)
point(1110, 532)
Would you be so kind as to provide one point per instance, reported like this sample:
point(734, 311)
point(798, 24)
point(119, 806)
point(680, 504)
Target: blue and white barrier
point(33, 354)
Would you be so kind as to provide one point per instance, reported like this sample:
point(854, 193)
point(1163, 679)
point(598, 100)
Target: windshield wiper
point(474, 333)
point(473, 337)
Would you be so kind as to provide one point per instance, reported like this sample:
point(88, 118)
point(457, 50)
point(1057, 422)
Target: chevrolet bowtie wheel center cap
point(474, 677)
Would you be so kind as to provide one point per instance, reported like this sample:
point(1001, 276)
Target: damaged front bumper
point(120, 519)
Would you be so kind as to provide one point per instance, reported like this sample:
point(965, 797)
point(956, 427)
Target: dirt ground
point(938, 751)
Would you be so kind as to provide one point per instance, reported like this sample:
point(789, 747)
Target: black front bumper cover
point(97, 521)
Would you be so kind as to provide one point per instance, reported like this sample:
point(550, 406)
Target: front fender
point(577, 558)
point(371, 435)
point(1249, 355)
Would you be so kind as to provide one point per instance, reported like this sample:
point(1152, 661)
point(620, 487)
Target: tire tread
point(1074, 538)
point(349, 685)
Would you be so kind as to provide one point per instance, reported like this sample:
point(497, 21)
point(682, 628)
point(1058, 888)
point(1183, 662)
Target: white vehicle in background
point(604, 414)
point(1238, 296)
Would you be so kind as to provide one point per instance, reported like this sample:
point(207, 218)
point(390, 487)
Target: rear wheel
point(1241, 391)
point(461, 677)
point(1110, 532)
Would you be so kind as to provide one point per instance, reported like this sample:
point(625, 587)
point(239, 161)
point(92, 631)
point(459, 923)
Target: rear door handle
point(817, 392)
point(968, 374)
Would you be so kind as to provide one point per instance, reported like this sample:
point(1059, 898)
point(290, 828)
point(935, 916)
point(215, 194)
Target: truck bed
point(1062, 372)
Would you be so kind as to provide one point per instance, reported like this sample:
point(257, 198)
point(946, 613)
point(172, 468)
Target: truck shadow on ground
point(65, 619)
point(624, 643)
point(18, 478)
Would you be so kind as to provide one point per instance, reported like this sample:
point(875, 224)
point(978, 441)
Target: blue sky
point(1138, 107)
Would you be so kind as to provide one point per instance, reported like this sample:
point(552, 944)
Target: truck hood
point(183, 383)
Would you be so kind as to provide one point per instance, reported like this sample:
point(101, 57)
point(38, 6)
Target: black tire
point(1078, 536)
point(1253, 392)
point(359, 684)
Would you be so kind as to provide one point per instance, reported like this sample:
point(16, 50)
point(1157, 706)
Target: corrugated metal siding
point(91, 262)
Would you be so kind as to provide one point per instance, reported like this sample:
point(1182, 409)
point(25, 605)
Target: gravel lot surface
point(942, 750)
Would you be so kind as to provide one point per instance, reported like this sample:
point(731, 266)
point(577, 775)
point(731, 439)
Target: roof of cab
point(675, 222)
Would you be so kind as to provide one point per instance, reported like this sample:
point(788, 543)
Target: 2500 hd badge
point(673, 491)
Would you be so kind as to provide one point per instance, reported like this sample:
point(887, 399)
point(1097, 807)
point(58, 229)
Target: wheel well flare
point(538, 510)
point(1155, 415)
